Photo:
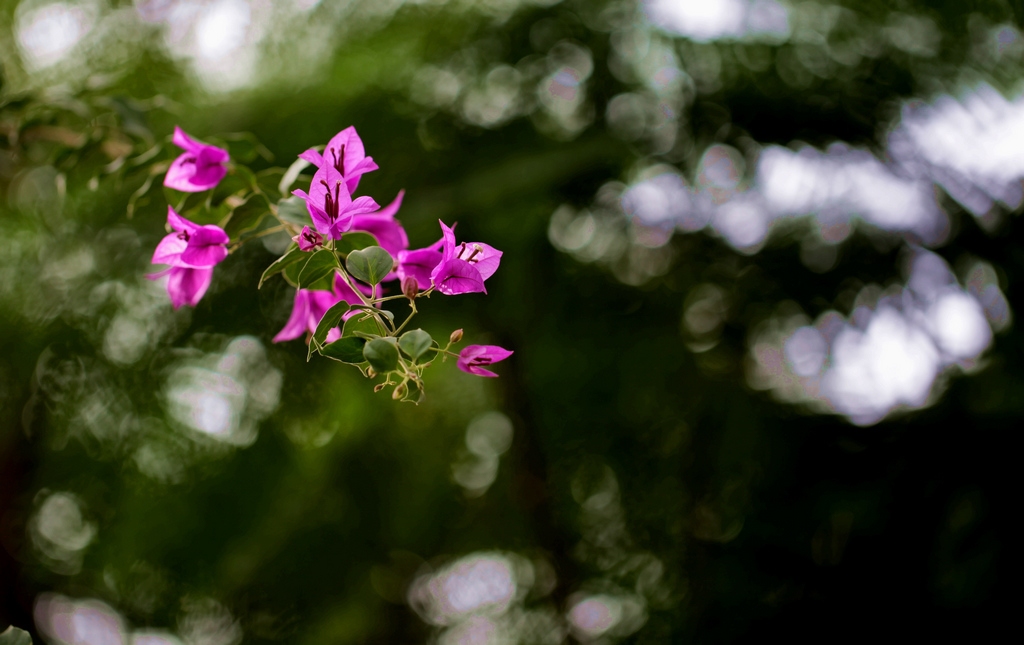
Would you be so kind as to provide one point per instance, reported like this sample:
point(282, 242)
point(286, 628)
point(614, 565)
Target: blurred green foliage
point(639, 468)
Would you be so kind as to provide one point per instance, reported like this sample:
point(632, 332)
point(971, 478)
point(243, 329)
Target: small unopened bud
point(378, 387)
point(399, 392)
point(410, 287)
point(370, 372)
point(455, 337)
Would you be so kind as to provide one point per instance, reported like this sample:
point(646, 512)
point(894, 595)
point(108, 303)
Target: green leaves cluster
point(368, 343)
point(370, 338)
point(250, 205)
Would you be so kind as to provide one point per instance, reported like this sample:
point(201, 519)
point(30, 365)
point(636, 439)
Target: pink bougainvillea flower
point(383, 226)
point(185, 285)
point(192, 251)
point(418, 264)
point(345, 152)
point(191, 245)
point(308, 239)
point(463, 267)
point(310, 307)
point(330, 204)
point(200, 167)
point(474, 357)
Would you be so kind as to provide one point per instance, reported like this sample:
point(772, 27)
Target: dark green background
point(286, 536)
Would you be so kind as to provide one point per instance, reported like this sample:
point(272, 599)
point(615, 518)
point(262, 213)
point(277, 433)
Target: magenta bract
point(330, 204)
point(418, 264)
point(383, 226)
point(473, 358)
point(192, 251)
point(310, 307)
point(308, 239)
point(185, 285)
point(346, 154)
point(199, 168)
point(463, 267)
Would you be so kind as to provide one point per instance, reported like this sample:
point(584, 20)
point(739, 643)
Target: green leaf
point(269, 180)
point(355, 241)
point(291, 272)
point(14, 636)
point(330, 320)
point(415, 343)
point(367, 327)
point(370, 264)
point(244, 147)
point(382, 355)
point(194, 207)
point(281, 263)
point(319, 266)
point(346, 350)
point(247, 216)
point(234, 183)
point(291, 175)
point(293, 209)
point(246, 175)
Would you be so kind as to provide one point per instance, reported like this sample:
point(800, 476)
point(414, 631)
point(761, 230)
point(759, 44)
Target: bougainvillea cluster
point(348, 256)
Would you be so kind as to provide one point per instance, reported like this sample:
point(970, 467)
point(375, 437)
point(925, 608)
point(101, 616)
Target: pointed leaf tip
point(346, 350)
point(320, 265)
point(331, 319)
point(14, 636)
point(282, 263)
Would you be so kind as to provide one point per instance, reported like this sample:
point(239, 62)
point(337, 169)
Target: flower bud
point(399, 392)
point(370, 372)
point(378, 387)
point(308, 239)
point(410, 287)
point(455, 337)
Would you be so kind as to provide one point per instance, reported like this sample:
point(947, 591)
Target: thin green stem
point(444, 350)
point(411, 314)
point(368, 303)
point(386, 298)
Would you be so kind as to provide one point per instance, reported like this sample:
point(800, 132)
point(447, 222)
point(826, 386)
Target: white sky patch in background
point(143, 319)
point(154, 637)
point(890, 353)
point(222, 29)
point(207, 622)
point(48, 32)
point(234, 44)
point(488, 437)
point(710, 20)
point(224, 396)
point(66, 621)
point(60, 532)
point(595, 615)
point(836, 188)
point(478, 600)
point(662, 201)
point(480, 583)
point(972, 147)
point(219, 37)
point(603, 615)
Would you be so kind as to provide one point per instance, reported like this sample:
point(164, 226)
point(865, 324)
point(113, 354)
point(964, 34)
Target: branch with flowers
point(345, 250)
